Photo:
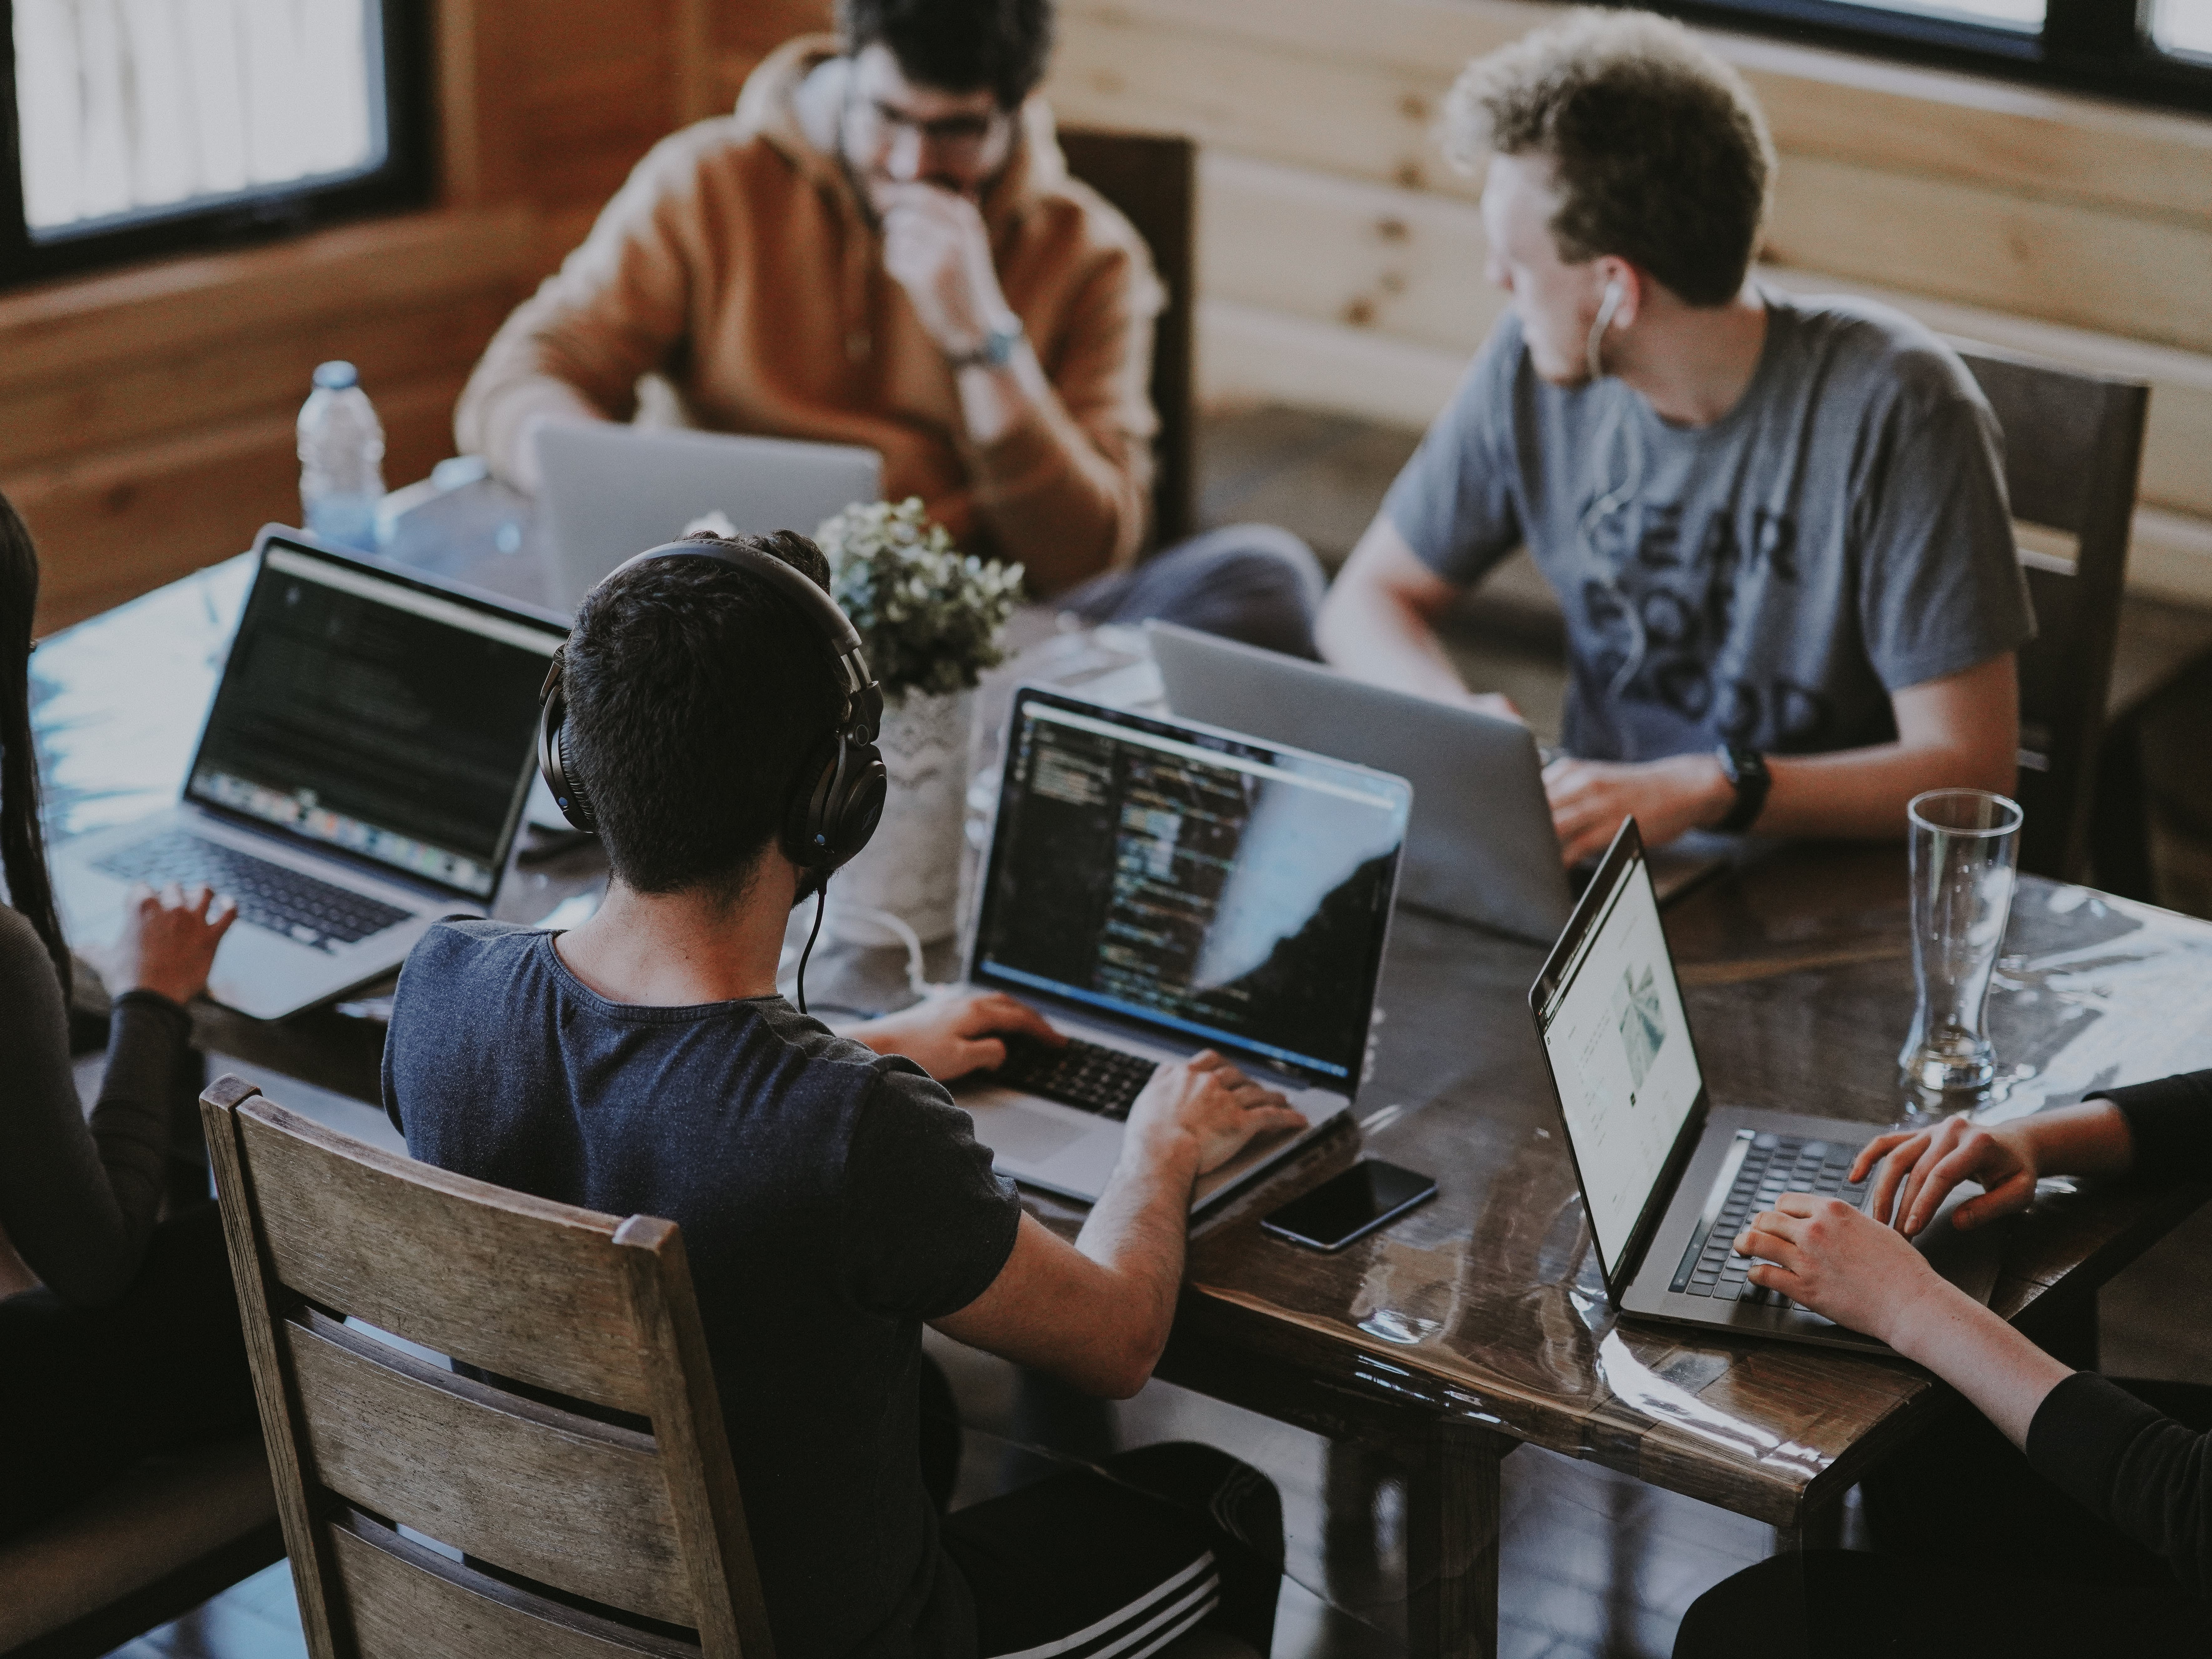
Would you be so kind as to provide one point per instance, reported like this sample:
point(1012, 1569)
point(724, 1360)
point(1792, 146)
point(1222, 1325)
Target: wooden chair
point(2073, 447)
point(1153, 179)
point(582, 1533)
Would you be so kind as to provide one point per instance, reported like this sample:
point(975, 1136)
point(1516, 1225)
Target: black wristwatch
point(1745, 771)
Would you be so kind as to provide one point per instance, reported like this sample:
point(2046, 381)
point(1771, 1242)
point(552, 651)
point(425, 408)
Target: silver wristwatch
point(997, 350)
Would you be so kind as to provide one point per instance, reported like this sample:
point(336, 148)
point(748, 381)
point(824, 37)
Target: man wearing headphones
point(712, 716)
point(1776, 526)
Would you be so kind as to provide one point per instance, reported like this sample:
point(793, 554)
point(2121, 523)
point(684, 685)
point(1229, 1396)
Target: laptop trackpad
point(1969, 1260)
point(1017, 1135)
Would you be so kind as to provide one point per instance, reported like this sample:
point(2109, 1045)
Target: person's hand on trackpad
point(950, 1037)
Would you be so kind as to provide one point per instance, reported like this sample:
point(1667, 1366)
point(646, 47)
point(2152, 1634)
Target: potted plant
point(929, 618)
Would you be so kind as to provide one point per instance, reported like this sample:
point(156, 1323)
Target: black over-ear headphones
point(837, 795)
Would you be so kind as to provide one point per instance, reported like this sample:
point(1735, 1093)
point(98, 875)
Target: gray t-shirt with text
point(1840, 534)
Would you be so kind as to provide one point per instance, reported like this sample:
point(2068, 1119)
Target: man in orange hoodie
point(883, 246)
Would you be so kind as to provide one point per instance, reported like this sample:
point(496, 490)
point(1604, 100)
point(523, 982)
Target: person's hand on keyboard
point(1843, 1265)
point(169, 940)
point(950, 1037)
point(1212, 1102)
point(1919, 1168)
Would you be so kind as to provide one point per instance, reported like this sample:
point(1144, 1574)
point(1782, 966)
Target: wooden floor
point(1595, 1565)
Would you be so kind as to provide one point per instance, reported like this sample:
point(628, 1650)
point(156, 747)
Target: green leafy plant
point(928, 615)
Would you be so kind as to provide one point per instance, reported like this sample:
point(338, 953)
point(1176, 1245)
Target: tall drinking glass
point(1965, 852)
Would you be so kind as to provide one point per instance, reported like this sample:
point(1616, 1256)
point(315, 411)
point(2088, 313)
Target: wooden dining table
point(1479, 1322)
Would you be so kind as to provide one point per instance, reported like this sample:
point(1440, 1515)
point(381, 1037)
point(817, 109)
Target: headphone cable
point(821, 894)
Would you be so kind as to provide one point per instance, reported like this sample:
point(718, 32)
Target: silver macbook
point(1157, 888)
point(1480, 848)
point(611, 491)
point(1667, 1181)
point(360, 774)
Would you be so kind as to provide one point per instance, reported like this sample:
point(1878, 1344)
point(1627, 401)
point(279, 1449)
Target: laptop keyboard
point(1086, 1075)
point(1759, 1169)
point(271, 896)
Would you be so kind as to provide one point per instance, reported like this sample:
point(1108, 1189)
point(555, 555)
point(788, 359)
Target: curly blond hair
point(1661, 155)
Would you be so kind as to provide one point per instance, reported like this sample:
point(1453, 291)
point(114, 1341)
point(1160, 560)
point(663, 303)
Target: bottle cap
point(335, 376)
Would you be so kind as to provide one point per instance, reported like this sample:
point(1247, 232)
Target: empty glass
point(1965, 849)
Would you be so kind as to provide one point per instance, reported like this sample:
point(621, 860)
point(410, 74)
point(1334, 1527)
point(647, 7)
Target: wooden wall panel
point(112, 524)
point(1340, 253)
point(1294, 93)
point(1408, 265)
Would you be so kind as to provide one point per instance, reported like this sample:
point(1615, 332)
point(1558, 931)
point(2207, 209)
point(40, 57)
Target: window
point(2153, 51)
point(2183, 27)
point(144, 126)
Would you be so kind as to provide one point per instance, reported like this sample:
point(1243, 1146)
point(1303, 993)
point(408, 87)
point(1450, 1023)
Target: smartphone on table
point(1371, 1194)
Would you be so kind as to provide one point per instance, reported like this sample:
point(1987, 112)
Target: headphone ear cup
point(836, 811)
point(562, 778)
point(577, 808)
point(859, 807)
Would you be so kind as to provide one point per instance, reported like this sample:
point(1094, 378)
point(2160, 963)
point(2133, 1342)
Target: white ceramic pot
point(911, 868)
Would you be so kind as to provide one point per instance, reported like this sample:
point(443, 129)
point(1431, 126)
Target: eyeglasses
point(953, 137)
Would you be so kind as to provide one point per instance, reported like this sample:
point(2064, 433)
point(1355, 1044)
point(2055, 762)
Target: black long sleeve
point(78, 1199)
point(2170, 1126)
point(2092, 1438)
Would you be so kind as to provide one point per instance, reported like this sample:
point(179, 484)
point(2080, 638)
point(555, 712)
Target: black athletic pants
point(1111, 1562)
point(1976, 1555)
point(87, 1392)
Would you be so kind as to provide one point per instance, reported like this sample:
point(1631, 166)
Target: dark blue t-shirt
point(831, 1199)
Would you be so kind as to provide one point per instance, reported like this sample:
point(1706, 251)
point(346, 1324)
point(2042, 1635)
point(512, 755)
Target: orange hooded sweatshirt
point(737, 262)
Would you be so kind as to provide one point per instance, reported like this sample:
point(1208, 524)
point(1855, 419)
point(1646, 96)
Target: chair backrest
point(579, 1463)
point(1152, 177)
point(2073, 447)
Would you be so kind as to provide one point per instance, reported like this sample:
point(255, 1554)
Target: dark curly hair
point(695, 690)
point(957, 45)
point(1663, 157)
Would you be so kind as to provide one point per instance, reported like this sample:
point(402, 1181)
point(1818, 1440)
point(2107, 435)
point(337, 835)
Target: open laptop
point(1157, 888)
point(1667, 1179)
point(1480, 848)
point(611, 491)
point(360, 774)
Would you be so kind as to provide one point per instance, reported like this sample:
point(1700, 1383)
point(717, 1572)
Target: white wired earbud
point(1593, 349)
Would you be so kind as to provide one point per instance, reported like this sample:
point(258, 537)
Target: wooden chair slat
point(401, 1245)
point(493, 1475)
point(403, 1602)
point(593, 1538)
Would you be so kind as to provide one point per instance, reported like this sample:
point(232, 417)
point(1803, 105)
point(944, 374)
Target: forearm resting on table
point(1378, 623)
point(1094, 1314)
point(2001, 1372)
point(1961, 732)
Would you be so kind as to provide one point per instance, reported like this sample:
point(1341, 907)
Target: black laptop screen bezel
point(1204, 737)
point(1621, 861)
point(292, 541)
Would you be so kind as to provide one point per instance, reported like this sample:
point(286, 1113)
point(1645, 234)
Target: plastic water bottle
point(341, 458)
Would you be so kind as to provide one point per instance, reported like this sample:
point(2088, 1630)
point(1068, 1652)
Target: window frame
point(405, 178)
point(2102, 47)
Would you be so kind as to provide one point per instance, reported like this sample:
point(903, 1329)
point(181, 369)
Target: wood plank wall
point(1341, 257)
point(145, 416)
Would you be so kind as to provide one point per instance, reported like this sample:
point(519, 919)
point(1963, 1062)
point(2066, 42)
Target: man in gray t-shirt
point(1777, 527)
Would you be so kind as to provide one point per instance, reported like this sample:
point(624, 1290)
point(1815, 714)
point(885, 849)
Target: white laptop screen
point(373, 715)
point(1620, 1052)
point(1217, 889)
